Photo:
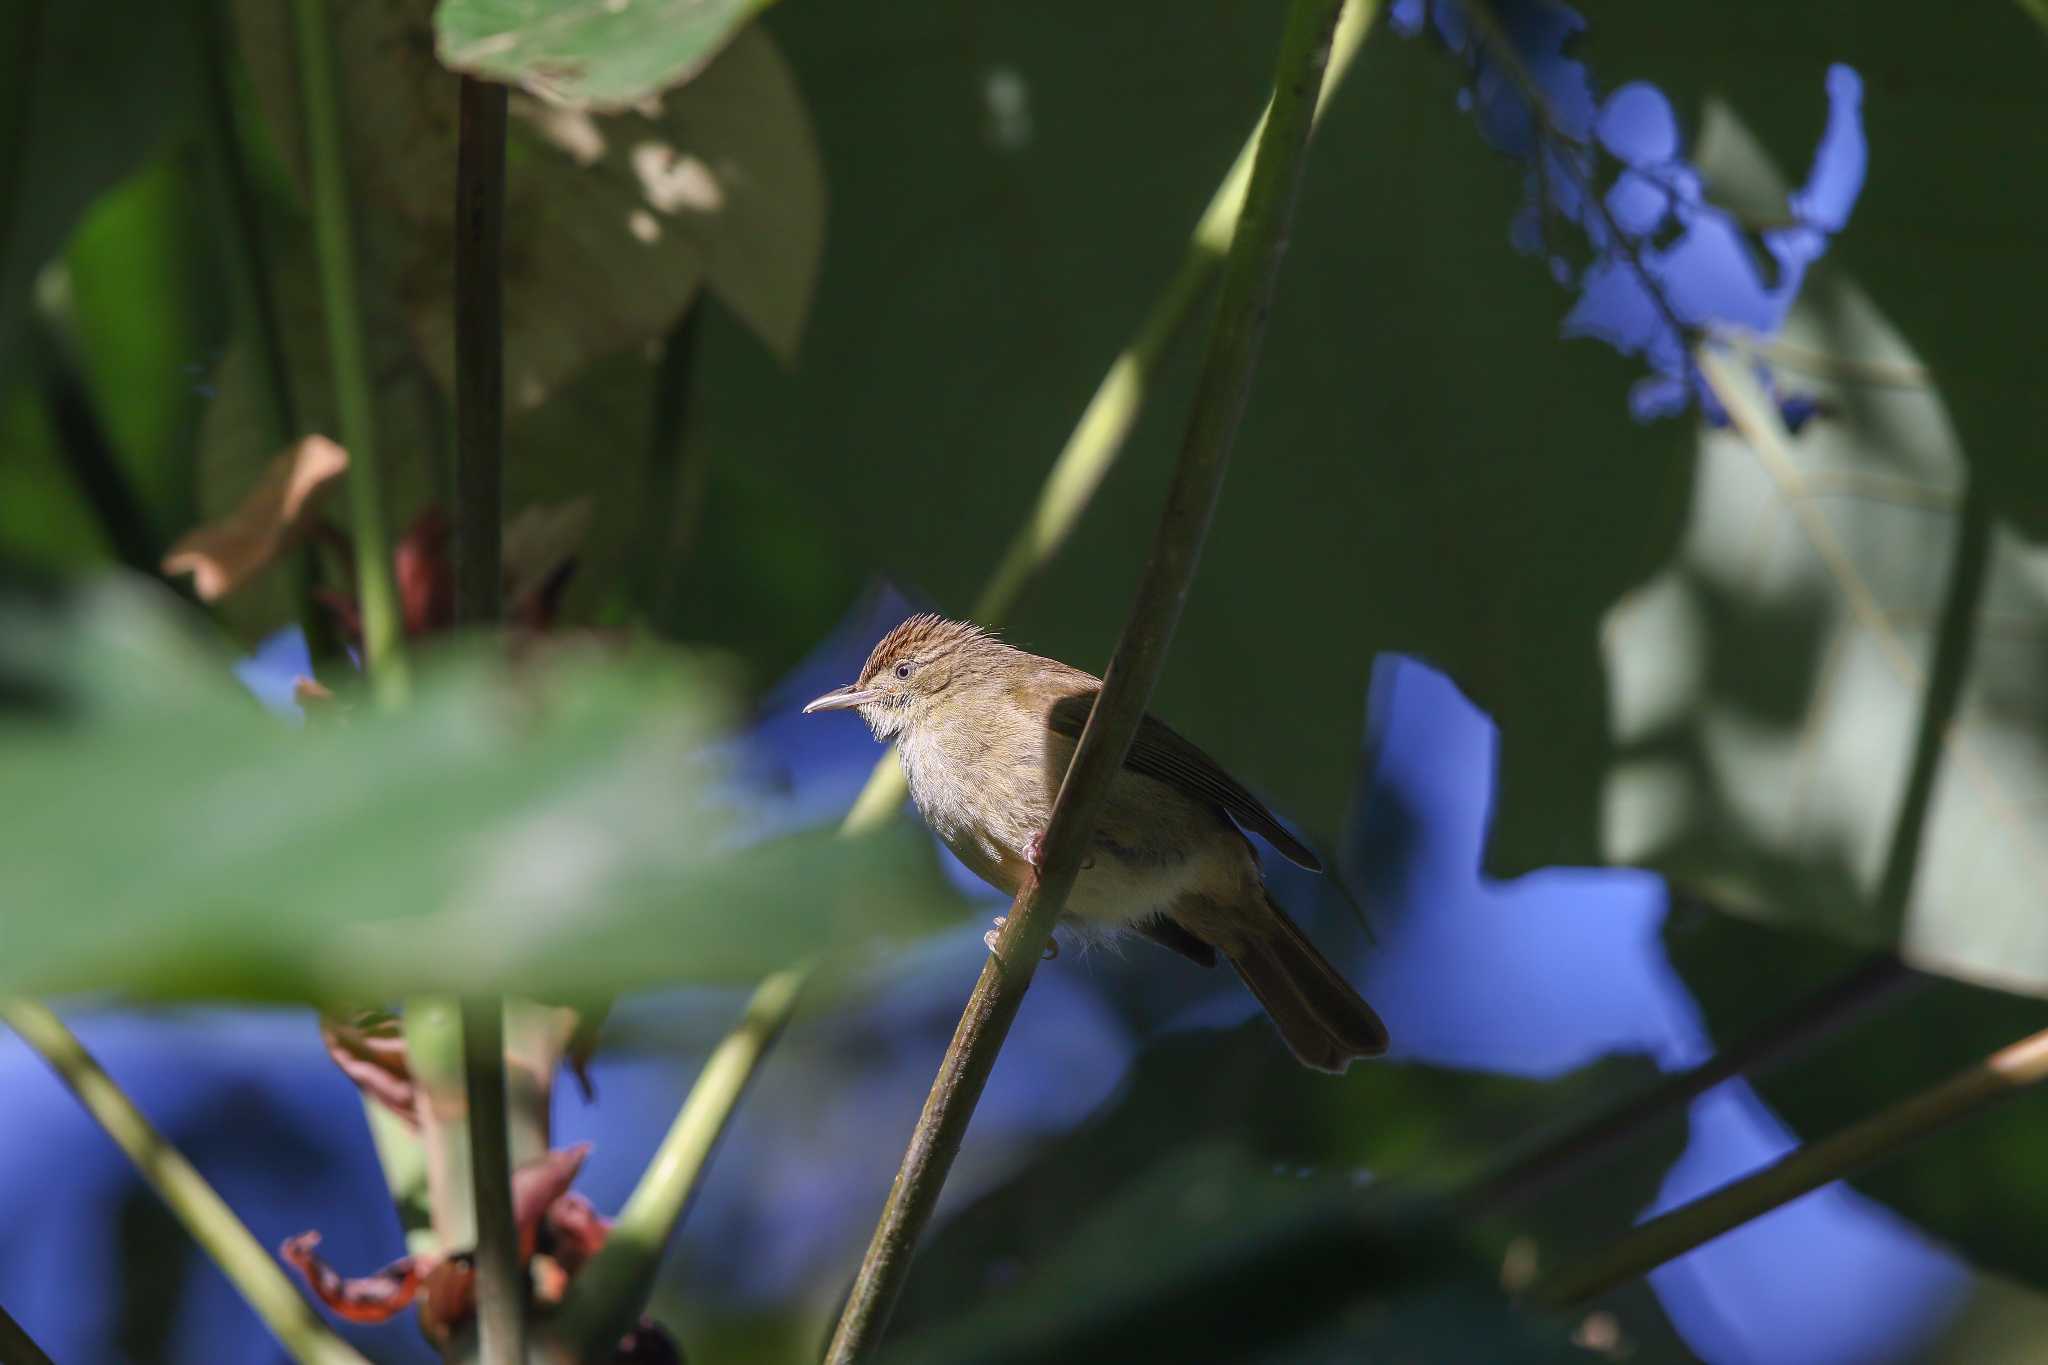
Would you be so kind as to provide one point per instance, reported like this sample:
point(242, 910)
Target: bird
point(985, 732)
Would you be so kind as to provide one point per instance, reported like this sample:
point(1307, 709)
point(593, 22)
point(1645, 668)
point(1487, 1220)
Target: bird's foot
point(1034, 849)
point(1052, 945)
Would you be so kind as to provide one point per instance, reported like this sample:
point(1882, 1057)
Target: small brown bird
point(986, 731)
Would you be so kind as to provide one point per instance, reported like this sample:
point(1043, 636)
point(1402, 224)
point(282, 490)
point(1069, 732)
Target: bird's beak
point(843, 699)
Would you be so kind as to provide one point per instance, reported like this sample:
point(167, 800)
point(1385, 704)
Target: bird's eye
point(903, 669)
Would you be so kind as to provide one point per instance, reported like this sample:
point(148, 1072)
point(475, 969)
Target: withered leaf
point(223, 555)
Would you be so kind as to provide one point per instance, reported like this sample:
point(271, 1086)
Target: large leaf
point(612, 223)
point(587, 53)
point(550, 828)
point(91, 92)
point(1773, 681)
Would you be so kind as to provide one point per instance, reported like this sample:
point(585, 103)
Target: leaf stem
point(184, 1191)
point(500, 1276)
point(609, 1294)
point(1870, 989)
point(383, 641)
point(501, 1281)
point(2004, 1074)
point(1249, 276)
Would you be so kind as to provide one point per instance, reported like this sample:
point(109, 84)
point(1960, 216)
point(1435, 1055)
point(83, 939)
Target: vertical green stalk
point(1249, 277)
point(184, 1191)
point(383, 642)
point(479, 519)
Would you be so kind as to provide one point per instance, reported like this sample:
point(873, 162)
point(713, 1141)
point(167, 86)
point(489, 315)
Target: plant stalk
point(1249, 276)
point(1999, 1077)
point(607, 1297)
point(501, 1282)
point(383, 638)
point(184, 1191)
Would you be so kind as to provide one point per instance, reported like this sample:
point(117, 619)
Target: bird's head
point(911, 670)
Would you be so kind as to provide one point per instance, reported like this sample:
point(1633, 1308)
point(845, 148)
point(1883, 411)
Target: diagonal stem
point(1249, 277)
point(192, 1201)
point(17, 1347)
point(1999, 1077)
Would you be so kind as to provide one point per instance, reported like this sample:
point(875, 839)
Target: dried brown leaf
point(223, 555)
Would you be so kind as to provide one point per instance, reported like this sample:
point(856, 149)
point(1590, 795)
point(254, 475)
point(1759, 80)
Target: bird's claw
point(1052, 945)
point(1034, 849)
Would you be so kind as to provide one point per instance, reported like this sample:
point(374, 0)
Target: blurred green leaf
point(612, 222)
point(588, 54)
point(549, 828)
point(1978, 1185)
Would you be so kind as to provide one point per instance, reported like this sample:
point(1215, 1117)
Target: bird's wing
point(1159, 753)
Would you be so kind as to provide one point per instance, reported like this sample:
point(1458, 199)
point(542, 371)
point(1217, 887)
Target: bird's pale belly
point(1126, 875)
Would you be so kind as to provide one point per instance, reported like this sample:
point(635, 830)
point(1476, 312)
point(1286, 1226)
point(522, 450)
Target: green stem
point(500, 1277)
point(609, 1294)
point(184, 1191)
point(676, 483)
point(17, 1347)
point(1249, 276)
point(1999, 1077)
point(479, 518)
point(433, 1050)
point(383, 640)
point(1870, 989)
point(245, 257)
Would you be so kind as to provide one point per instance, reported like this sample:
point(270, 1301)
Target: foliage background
point(961, 217)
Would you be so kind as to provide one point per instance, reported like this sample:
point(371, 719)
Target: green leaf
point(587, 54)
point(612, 222)
point(551, 828)
point(91, 92)
point(1770, 683)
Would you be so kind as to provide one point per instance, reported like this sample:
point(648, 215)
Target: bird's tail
point(1323, 1020)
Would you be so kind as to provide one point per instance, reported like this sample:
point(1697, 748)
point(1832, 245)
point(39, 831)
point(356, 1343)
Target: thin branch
point(501, 1281)
point(479, 353)
point(1999, 1077)
point(383, 640)
point(184, 1191)
point(500, 1277)
point(676, 482)
point(1249, 277)
point(245, 256)
point(610, 1293)
point(17, 1347)
point(1869, 990)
